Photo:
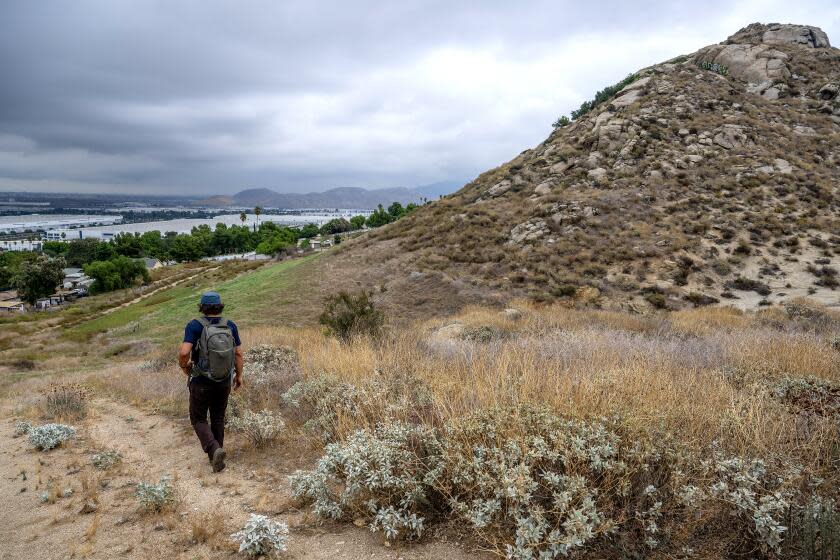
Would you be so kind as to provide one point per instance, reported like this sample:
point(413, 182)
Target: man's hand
point(237, 381)
point(185, 358)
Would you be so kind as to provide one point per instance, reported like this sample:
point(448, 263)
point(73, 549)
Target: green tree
point(257, 212)
point(242, 217)
point(337, 225)
point(83, 251)
point(357, 222)
point(38, 278)
point(379, 217)
point(117, 273)
point(185, 248)
point(309, 230)
point(54, 248)
point(396, 210)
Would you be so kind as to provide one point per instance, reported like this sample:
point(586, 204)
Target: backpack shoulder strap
point(205, 322)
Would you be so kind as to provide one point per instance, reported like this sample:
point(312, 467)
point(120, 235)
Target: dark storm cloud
point(198, 96)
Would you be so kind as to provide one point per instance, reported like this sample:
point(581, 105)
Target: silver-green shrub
point(319, 401)
point(48, 436)
point(22, 428)
point(104, 460)
point(389, 473)
point(260, 428)
point(262, 537)
point(809, 394)
point(155, 497)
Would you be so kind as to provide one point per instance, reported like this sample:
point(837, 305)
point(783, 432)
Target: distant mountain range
point(344, 197)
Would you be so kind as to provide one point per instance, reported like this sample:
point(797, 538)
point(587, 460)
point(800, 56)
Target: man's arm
point(240, 362)
point(185, 357)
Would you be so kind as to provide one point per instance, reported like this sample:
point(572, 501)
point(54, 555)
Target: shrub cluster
point(603, 95)
point(156, 497)
point(352, 314)
point(21, 428)
point(65, 400)
point(808, 394)
point(262, 537)
point(260, 428)
point(714, 67)
point(48, 436)
point(389, 474)
point(318, 403)
point(104, 460)
point(538, 485)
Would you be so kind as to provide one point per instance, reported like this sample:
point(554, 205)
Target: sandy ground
point(153, 446)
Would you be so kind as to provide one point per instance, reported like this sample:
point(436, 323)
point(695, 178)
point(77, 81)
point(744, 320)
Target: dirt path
point(151, 447)
point(156, 290)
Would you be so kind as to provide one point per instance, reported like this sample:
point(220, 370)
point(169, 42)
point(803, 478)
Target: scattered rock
point(598, 174)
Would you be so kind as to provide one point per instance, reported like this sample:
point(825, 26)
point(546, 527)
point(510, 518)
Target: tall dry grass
point(702, 376)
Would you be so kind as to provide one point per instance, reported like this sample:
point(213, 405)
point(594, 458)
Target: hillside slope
point(710, 177)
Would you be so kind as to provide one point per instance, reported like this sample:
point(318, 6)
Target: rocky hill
point(711, 177)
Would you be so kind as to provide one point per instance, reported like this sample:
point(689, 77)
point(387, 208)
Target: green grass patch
point(250, 298)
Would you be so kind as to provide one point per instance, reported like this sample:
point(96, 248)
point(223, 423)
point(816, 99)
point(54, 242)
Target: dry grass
point(209, 526)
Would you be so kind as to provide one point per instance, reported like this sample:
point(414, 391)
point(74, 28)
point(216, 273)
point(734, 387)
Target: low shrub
point(21, 428)
point(816, 396)
point(699, 300)
point(65, 401)
point(749, 285)
point(156, 497)
point(49, 436)
point(714, 67)
point(104, 460)
point(389, 474)
point(270, 371)
point(347, 315)
point(260, 428)
point(262, 537)
point(317, 402)
point(539, 485)
point(482, 334)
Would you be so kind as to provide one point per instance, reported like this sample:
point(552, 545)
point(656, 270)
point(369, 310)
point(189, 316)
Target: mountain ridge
point(340, 197)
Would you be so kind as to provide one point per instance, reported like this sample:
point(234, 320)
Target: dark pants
point(212, 398)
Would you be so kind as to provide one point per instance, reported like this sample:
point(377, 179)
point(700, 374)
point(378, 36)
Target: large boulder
point(813, 37)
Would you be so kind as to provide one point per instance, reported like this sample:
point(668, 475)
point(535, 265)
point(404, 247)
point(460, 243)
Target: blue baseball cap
point(211, 298)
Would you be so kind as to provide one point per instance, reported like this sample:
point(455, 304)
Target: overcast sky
point(206, 97)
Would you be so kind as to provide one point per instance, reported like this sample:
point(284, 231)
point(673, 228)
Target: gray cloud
point(212, 97)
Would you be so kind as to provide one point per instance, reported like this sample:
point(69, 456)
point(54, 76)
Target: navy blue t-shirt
point(193, 332)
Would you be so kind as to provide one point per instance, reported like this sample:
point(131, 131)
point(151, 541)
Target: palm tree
point(257, 212)
point(242, 217)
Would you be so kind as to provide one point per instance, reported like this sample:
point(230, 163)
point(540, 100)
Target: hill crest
point(710, 178)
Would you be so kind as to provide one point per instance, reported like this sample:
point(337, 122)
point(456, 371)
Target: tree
point(117, 273)
point(357, 222)
point(38, 278)
point(396, 210)
point(242, 217)
point(337, 225)
point(82, 251)
point(379, 217)
point(309, 230)
point(257, 212)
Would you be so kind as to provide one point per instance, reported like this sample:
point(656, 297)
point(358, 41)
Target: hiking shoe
point(219, 460)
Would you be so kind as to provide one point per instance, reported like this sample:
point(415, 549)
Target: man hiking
point(211, 357)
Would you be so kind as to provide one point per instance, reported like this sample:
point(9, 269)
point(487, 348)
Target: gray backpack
point(216, 350)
